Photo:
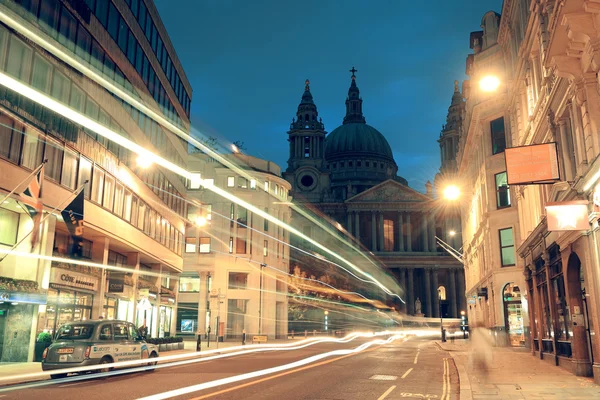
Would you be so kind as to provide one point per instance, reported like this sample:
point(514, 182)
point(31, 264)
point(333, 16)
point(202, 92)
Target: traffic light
point(464, 322)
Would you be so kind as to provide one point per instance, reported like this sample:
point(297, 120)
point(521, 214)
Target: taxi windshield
point(74, 332)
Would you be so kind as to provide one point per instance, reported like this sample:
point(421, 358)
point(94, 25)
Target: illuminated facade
point(89, 56)
point(235, 262)
point(490, 221)
point(349, 177)
point(554, 97)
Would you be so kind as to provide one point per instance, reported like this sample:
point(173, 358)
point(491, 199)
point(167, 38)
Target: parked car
point(95, 342)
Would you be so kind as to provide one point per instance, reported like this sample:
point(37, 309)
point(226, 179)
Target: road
point(403, 369)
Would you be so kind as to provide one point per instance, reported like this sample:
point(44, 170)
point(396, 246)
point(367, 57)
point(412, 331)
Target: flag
point(31, 198)
point(73, 217)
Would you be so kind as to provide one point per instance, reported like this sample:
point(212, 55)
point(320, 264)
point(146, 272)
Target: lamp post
point(260, 303)
point(441, 316)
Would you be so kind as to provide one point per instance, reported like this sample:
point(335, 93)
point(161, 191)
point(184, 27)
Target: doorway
point(513, 315)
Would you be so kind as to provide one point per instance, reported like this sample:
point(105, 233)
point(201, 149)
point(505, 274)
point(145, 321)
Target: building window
point(85, 174)
point(266, 248)
point(189, 284)
point(388, 235)
point(10, 139)
point(238, 280)
point(208, 182)
point(230, 181)
point(190, 244)
point(230, 245)
point(253, 184)
point(442, 293)
point(204, 245)
point(507, 247)
point(98, 185)
point(498, 135)
point(69, 169)
point(54, 155)
point(242, 183)
point(33, 149)
point(266, 186)
point(240, 244)
point(502, 192)
point(9, 227)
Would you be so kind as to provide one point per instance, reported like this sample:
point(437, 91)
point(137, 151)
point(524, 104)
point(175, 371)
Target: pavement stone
point(516, 374)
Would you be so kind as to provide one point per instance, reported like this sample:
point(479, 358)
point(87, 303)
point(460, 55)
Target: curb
point(465, 391)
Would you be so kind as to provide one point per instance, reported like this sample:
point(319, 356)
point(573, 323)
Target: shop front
point(70, 298)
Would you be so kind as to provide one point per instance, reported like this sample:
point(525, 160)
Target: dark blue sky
point(247, 62)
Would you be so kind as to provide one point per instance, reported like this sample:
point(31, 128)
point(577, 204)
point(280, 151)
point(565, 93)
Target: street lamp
point(451, 192)
point(144, 161)
point(452, 233)
point(441, 316)
point(326, 321)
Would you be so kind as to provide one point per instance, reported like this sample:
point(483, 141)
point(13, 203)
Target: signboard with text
point(70, 279)
point(535, 164)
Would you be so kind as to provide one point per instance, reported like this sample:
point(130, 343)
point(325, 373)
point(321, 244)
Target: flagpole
point(60, 206)
point(450, 250)
point(35, 171)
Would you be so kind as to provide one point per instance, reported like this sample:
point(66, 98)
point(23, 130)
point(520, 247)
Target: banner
point(116, 282)
point(73, 217)
point(31, 198)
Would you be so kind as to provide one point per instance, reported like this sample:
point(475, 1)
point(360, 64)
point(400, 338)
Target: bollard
point(292, 334)
point(199, 343)
point(305, 333)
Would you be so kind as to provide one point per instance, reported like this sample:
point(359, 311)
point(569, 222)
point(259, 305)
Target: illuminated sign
point(567, 216)
point(65, 278)
point(532, 164)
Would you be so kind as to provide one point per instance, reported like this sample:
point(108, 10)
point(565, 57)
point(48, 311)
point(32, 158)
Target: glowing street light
point(489, 83)
point(144, 161)
point(452, 233)
point(451, 192)
point(235, 149)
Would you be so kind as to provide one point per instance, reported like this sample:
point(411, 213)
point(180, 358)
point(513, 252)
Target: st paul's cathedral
point(349, 177)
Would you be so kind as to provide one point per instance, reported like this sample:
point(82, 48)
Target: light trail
point(87, 122)
point(256, 374)
point(177, 360)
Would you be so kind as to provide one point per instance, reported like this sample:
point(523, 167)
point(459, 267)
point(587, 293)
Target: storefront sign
point(532, 164)
point(567, 216)
point(19, 297)
point(63, 278)
point(116, 282)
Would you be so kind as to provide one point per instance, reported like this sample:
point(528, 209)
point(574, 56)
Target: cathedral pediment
point(388, 192)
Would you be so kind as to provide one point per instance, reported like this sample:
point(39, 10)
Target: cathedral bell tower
point(306, 165)
point(306, 134)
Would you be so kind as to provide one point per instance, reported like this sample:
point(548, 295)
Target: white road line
point(448, 380)
point(416, 357)
point(72, 384)
point(444, 382)
point(383, 396)
point(406, 373)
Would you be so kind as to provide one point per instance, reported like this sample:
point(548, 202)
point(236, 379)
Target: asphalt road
point(400, 370)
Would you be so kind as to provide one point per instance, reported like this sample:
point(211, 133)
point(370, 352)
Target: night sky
point(247, 62)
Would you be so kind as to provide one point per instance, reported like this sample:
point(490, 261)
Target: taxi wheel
point(151, 364)
point(105, 360)
point(58, 376)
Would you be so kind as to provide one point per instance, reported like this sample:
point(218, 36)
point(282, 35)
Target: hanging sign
point(567, 216)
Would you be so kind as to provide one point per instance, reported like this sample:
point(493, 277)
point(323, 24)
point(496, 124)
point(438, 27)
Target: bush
point(44, 337)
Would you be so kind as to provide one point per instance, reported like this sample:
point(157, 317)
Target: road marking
point(72, 384)
point(383, 396)
point(416, 357)
point(406, 373)
point(280, 375)
point(446, 381)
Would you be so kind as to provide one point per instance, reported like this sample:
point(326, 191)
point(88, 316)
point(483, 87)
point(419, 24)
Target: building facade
point(236, 262)
point(349, 178)
point(89, 70)
point(490, 221)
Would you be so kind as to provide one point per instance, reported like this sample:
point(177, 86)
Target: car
point(95, 342)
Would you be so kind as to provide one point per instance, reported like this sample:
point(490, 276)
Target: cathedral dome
point(356, 139)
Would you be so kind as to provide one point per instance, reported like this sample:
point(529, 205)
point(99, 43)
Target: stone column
point(349, 222)
point(428, 298)
point(100, 255)
point(400, 233)
point(133, 261)
point(537, 316)
point(380, 239)
point(424, 233)
point(356, 226)
point(410, 292)
point(551, 297)
point(436, 295)
point(565, 150)
point(460, 277)
point(373, 232)
point(408, 233)
point(451, 294)
point(432, 242)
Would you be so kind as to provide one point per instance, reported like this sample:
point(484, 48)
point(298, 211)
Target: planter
point(162, 347)
point(171, 346)
point(39, 350)
point(181, 345)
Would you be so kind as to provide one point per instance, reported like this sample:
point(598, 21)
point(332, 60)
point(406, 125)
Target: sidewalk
point(516, 374)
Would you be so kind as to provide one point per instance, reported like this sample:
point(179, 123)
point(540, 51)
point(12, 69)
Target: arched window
point(442, 292)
